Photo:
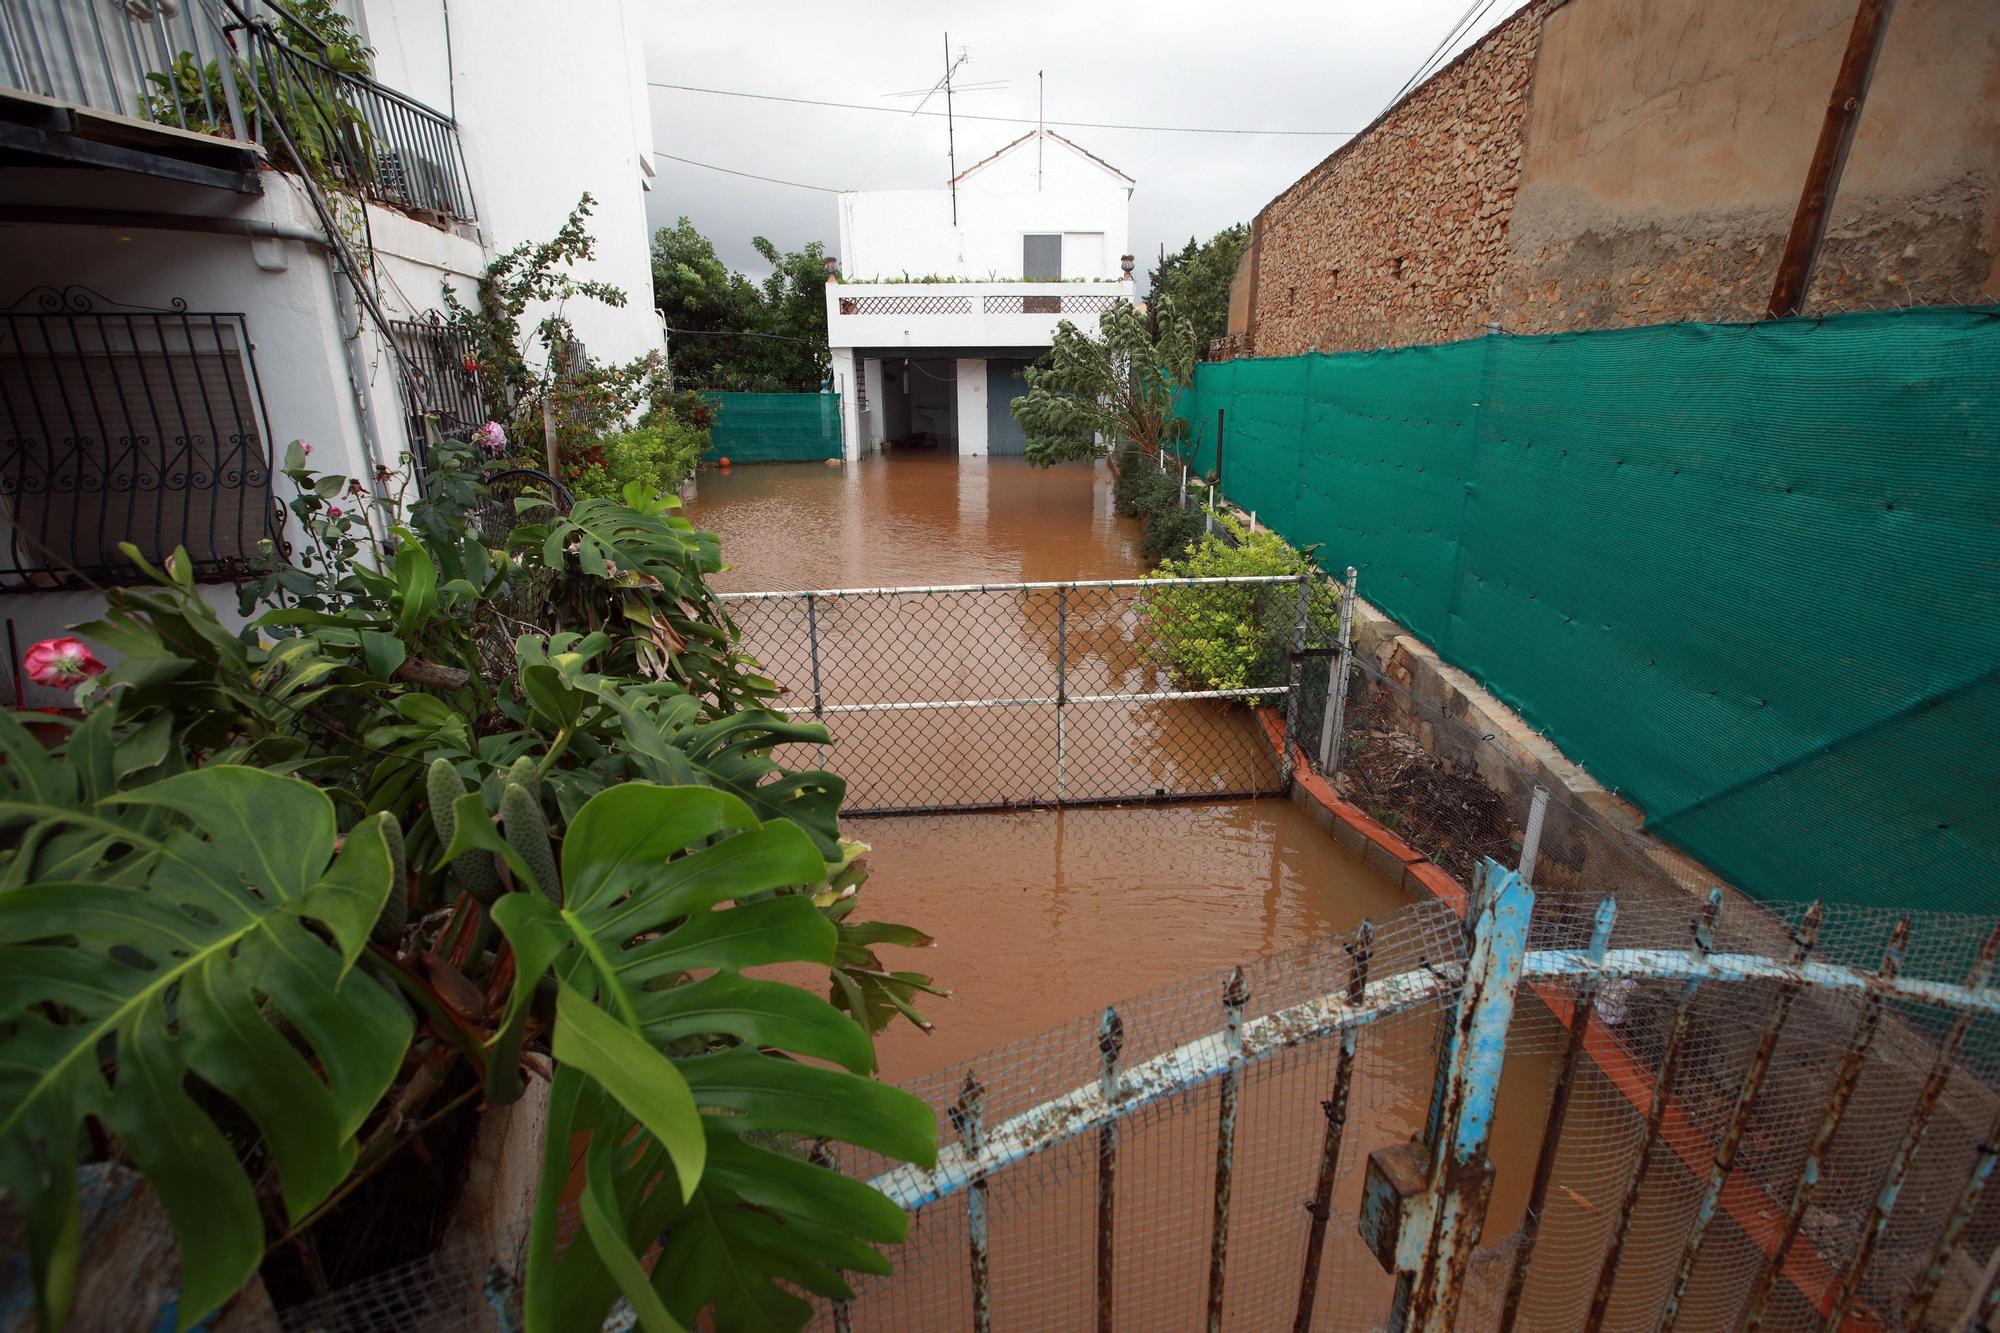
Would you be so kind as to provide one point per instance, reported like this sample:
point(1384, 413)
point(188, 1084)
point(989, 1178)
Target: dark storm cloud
point(1329, 66)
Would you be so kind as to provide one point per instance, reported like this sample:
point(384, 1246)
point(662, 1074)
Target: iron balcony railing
point(128, 424)
point(220, 67)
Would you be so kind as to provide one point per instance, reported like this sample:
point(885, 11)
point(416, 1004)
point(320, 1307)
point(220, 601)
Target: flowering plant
point(61, 663)
point(491, 437)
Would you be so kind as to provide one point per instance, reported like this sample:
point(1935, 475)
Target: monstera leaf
point(680, 1072)
point(140, 997)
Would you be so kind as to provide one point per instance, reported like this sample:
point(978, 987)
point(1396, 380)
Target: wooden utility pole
point(1829, 159)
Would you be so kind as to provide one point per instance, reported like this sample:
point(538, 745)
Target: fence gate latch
point(1396, 1212)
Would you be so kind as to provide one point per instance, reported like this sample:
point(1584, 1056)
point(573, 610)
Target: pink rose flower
point(492, 437)
point(333, 511)
point(61, 663)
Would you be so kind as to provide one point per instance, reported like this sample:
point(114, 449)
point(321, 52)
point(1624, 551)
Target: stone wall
point(1398, 237)
point(1603, 163)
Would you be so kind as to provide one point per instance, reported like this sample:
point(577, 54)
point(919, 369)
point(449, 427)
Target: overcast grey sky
point(1331, 65)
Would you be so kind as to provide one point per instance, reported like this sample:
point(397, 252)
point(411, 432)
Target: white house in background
point(183, 313)
point(943, 297)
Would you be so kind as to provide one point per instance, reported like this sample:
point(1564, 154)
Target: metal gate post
point(1297, 673)
point(1531, 841)
point(1334, 718)
point(812, 640)
point(1424, 1220)
point(1062, 686)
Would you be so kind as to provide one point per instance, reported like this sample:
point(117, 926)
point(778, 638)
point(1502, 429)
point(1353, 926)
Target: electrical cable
point(748, 175)
point(746, 333)
point(1006, 120)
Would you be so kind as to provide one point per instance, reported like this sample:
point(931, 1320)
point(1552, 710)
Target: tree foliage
point(734, 333)
point(1088, 396)
point(1196, 279)
point(272, 904)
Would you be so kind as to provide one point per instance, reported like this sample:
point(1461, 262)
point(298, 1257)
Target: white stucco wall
point(284, 288)
point(888, 234)
point(971, 405)
point(551, 103)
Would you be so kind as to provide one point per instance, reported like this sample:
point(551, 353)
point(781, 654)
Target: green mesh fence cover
point(775, 427)
point(1748, 575)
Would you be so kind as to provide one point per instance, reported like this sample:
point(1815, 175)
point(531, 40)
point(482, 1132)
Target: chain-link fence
point(1001, 695)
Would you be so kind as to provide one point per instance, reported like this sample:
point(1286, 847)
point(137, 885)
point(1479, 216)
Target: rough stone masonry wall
point(1397, 238)
point(1604, 163)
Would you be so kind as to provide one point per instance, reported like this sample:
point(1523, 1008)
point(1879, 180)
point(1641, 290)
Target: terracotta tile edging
point(1748, 1204)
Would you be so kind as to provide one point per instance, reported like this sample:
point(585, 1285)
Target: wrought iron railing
point(127, 424)
point(391, 148)
point(442, 379)
point(217, 67)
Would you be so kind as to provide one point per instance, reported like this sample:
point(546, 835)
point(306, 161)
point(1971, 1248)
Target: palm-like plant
point(227, 965)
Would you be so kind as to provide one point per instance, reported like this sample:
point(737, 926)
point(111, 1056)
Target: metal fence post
point(1296, 674)
point(1334, 718)
point(812, 641)
point(1460, 1180)
point(1531, 841)
point(1062, 686)
point(1110, 1042)
point(969, 1118)
point(1183, 503)
point(1234, 995)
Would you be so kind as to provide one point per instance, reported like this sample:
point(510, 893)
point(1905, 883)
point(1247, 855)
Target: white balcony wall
point(549, 105)
point(1032, 187)
point(899, 315)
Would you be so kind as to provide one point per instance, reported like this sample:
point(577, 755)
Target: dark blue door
point(1004, 383)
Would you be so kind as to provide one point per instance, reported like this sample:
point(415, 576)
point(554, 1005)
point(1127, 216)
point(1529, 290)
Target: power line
point(747, 333)
point(748, 175)
point(1006, 120)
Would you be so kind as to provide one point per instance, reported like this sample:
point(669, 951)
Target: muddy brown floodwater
point(1042, 916)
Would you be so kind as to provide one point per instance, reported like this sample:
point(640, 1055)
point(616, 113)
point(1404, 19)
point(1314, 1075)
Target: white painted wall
point(890, 234)
point(551, 103)
point(850, 406)
point(971, 406)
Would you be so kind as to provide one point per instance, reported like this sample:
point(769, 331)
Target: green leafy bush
point(659, 456)
point(1170, 532)
point(1232, 637)
point(274, 905)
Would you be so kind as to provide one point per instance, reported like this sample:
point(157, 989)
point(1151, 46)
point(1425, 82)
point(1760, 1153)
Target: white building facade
point(179, 311)
point(943, 297)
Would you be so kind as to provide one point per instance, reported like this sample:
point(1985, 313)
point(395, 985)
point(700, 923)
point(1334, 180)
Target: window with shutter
point(125, 424)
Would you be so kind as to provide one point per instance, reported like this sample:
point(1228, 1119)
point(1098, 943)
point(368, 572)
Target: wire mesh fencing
point(1862, 1201)
point(1698, 1120)
point(1002, 695)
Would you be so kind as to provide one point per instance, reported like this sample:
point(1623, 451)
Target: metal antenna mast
point(1041, 99)
point(950, 131)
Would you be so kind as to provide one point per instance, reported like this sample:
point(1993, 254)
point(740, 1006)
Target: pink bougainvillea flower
point(492, 437)
point(62, 663)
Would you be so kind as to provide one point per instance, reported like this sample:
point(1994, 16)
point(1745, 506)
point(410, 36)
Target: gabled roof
point(1076, 148)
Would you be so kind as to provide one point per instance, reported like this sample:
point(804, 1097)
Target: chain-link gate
point(994, 696)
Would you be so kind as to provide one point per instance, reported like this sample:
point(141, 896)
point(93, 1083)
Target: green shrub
point(660, 454)
point(1169, 533)
point(1231, 637)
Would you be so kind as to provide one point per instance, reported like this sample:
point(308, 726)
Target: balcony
point(205, 67)
point(944, 315)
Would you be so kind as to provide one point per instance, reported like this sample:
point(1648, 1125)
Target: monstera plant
point(277, 905)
